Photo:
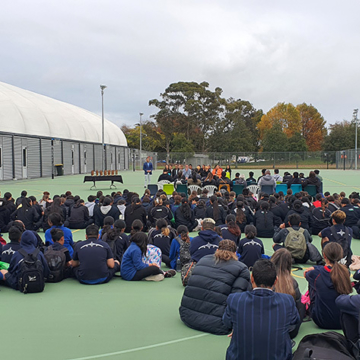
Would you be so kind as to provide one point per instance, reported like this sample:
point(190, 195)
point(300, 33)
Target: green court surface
point(118, 320)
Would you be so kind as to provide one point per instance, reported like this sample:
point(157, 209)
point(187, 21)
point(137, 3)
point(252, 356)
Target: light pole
point(141, 114)
point(102, 87)
point(355, 113)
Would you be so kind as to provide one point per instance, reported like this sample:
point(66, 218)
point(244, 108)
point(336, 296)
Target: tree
point(312, 126)
point(297, 143)
point(285, 116)
point(341, 137)
point(236, 132)
point(274, 140)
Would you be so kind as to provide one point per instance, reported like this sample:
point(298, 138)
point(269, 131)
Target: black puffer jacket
point(204, 300)
point(134, 212)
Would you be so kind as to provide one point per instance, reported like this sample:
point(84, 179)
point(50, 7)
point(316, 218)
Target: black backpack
point(343, 240)
point(31, 275)
point(56, 260)
point(324, 346)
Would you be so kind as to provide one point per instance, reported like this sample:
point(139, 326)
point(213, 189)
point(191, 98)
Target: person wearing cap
point(207, 242)
point(213, 279)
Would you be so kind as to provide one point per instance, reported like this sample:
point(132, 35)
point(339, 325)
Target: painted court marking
point(140, 348)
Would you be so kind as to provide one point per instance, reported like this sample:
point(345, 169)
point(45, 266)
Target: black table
point(112, 178)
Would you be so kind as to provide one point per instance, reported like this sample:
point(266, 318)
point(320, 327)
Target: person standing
point(148, 168)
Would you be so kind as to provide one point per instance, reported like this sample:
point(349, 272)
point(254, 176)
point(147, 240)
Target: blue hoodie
point(205, 244)
point(28, 243)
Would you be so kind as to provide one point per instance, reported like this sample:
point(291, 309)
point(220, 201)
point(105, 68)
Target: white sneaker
point(158, 277)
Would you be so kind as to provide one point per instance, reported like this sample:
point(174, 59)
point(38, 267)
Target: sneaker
point(158, 277)
point(170, 273)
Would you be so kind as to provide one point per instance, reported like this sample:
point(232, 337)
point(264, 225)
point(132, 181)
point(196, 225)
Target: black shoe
point(170, 273)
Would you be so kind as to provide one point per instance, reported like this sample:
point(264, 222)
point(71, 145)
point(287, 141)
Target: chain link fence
point(348, 159)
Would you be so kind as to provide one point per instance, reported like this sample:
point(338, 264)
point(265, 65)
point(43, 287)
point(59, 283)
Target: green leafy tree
point(274, 140)
point(297, 143)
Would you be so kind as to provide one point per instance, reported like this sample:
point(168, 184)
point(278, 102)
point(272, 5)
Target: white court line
point(140, 348)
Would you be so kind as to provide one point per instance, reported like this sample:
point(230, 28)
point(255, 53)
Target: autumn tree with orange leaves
point(304, 119)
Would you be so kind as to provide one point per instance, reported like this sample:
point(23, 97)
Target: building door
point(72, 159)
point(85, 161)
point(24, 162)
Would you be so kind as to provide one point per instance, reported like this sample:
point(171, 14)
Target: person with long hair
point(286, 284)
point(264, 221)
point(213, 279)
point(135, 211)
point(326, 283)
point(209, 180)
point(312, 179)
point(184, 215)
point(180, 248)
point(243, 215)
point(132, 266)
point(216, 211)
point(116, 238)
point(162, 237)
point(250, 248)
point(231, 230)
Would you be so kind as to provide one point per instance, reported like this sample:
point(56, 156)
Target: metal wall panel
point(110, 157)
point(83, 159)
point(67, 148)
point(57, 152)
point(33, 154)
point(46, 158)
point(127, 158)
point(18, 157)
point(7, 158)
point(98, 159)
point(89, 158)
point(75, 147)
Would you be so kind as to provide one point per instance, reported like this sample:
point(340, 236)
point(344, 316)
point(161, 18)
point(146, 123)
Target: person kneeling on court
point(132, 266)
point(297, 240)
point(213, 279)
point(93, 261)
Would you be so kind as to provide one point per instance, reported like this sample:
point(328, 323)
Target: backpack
point(56, 260)
point(31, 274)
point(343, 240)
point(324, 346)
point(295, 242)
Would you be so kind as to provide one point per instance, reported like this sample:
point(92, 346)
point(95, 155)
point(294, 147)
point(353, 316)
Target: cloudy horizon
point(263, 52)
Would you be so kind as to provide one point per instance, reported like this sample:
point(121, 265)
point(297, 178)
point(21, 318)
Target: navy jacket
point(206, 243)
point(204, 300)
point(323, 309)
point(8, 251)
point(28, 243)
point(261, 321)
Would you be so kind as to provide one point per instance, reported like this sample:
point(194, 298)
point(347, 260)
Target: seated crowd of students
point(134, 235)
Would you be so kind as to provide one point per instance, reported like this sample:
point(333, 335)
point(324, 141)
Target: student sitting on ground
point(243, 215)
point(184, 215)
point(305, 216)
point(264, 221)
point(207, 242)
point(162, 237)
point(216, 211)
point(250, 248)
point(326, 283)
point(93, 261)
point(28, 245)
point(117, 239)
point(159, 211)
point(27, 214)
point(340, 234)
point(213, 279)
point(55, 221)
point(180, 248)
point(9, 249)
point(231, 230)
point(132, 266)
point(297, 240)
point(135, 211)
point(321, 217)
point(286, 284)
point(261, 320)
point(58, 257)
point(106, 209)
point(79, 217)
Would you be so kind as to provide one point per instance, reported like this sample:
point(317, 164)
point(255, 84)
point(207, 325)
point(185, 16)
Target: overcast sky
point(262, 51)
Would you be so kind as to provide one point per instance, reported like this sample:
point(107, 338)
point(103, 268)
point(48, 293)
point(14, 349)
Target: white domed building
point(30, 124)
